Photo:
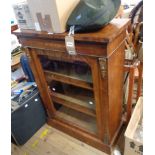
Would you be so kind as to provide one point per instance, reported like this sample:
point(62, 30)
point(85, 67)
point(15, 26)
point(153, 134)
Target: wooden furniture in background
point(14, 27)
point(15, 61)
point(131, 67)
point(86, 104)
point(135, 66)
point(140, 80)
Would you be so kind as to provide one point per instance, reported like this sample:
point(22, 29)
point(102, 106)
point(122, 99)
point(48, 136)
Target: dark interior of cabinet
point(74, 69)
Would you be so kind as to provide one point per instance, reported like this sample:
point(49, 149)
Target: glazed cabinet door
point(72, 85)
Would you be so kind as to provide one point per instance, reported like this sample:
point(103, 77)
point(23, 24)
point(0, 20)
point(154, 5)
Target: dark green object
point(91, 15)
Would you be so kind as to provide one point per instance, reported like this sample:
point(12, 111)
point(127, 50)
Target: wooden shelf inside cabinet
point(75, 104)
point(77, 119)
point(74, 80)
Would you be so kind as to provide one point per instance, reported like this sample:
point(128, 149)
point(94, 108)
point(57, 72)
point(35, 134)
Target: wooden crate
point(57, 12)
point(132, 145)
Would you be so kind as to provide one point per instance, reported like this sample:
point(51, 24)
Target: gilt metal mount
point(103, 66)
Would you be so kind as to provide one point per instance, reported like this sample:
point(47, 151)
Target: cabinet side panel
point(115, 89)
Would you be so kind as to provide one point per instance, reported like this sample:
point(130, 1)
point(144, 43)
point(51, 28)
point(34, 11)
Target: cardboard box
point(23, 16)
point(134, 132)
point(51, 15)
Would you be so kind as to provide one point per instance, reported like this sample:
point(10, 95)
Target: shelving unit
point(74, 80)
point(75, 104)
point(82, 93)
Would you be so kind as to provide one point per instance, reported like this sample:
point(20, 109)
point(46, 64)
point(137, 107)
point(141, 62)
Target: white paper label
point(70, 45)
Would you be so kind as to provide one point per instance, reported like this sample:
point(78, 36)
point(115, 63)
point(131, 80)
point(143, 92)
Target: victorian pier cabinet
point(82, 93)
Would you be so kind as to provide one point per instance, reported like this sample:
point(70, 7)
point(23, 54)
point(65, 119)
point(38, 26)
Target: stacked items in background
point(16, 51)
point(50, 16)
point(19, 88)
point(17, 72)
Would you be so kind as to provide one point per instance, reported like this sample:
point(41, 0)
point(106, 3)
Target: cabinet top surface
point(105, 35)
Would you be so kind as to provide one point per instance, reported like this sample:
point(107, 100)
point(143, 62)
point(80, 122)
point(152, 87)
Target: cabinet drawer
point(82, 48)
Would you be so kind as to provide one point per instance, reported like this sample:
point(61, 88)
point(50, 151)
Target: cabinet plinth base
point(86, 137)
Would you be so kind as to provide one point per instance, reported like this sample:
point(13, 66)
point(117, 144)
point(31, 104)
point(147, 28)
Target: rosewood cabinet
point(82, 93)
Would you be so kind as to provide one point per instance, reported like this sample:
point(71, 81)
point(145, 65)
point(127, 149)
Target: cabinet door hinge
point(103, 66)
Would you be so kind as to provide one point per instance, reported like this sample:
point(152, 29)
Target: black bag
point(27, 118)
point(91, 15)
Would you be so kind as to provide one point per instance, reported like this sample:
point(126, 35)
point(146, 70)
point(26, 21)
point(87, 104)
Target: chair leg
point(140, 79)
point(130, 94)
